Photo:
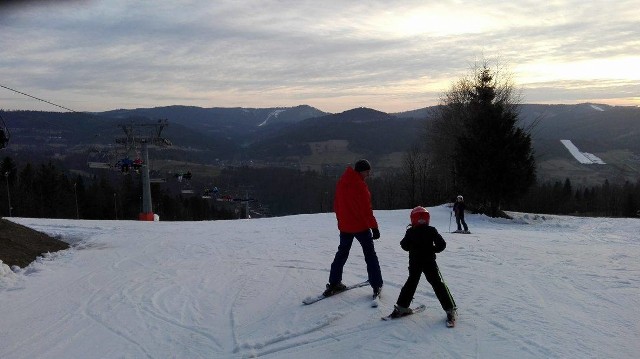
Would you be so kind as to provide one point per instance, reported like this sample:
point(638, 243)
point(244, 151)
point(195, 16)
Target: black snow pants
point(432, 273)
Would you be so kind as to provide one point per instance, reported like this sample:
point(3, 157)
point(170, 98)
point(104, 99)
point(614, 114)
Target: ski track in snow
point(534, 287)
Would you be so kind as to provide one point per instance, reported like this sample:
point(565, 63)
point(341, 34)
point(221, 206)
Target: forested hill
point(308, 138)
point(267, 152)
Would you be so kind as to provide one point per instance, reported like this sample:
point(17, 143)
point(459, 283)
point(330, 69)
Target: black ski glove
point(375, 232)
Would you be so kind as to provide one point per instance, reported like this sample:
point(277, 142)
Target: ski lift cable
point(54, 104)
point(51, 103)
point(39, 99)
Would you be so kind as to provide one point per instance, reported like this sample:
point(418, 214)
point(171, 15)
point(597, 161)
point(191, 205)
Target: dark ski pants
point(459, 220)
point(432, 273)
point(370, 257)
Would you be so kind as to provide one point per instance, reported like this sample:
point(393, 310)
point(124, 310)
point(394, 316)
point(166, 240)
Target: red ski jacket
point(353, 203)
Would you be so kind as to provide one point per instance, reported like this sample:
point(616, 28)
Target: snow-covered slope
point(582, 157)
point(535, 287)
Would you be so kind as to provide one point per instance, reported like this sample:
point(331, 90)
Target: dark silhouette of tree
point(48, 191)
point(475, 133)
point(26, 202)
point(411, 165)
point(80, 194)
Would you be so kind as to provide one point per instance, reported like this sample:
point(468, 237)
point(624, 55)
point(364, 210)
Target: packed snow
point(533, 287)
point(273, 114)
point(582, 157)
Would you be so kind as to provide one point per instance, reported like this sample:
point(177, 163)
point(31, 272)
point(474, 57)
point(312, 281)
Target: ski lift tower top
point(142, 135)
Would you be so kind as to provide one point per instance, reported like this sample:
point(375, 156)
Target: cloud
point(100, 55)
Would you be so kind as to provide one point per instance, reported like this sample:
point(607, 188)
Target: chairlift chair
point(184, 179)
point(186, 190)
point(102, 165)
point(207, 193)
point(156, 177)
point(99, 159)
point(125, 165)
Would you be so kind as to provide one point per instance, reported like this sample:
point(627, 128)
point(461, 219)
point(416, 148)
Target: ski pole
point(450, 214)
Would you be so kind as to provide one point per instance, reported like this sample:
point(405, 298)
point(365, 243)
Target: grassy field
point(620, 166)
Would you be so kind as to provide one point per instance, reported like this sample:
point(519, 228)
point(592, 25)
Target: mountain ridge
point(293, 136)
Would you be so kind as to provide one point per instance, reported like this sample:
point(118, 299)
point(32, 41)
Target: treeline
point(409, 187)
point(605, 200)
point(49, 191)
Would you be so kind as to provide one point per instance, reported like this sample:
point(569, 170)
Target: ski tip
point(311, 300)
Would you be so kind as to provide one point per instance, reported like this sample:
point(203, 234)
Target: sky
point(392, 56)
point(533, 287)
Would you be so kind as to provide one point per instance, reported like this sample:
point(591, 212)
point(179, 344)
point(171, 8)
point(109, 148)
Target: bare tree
point(411, 176)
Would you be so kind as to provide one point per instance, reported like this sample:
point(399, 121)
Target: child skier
point(423, 241)
point(458, 210)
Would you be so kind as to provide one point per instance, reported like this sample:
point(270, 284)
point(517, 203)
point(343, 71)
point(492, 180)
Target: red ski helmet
point(420, 215)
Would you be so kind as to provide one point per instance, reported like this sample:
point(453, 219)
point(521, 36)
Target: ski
point(414, 310)
point(311, 300)
point(462, 232)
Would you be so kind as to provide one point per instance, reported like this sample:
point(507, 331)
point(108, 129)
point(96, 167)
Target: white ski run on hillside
point(273, 114)
point(582, 157)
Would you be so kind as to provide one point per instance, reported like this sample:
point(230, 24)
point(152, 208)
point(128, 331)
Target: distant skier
point(355, 219)
point(458, 210)
point(423, 241)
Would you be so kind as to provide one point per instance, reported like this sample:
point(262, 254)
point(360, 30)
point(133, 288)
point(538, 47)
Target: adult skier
point(354, 213)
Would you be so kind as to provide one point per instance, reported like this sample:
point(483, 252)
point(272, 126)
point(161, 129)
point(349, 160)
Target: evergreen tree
point(630, 207)
point(80, 194)
point(27, 202)
point(492, 157)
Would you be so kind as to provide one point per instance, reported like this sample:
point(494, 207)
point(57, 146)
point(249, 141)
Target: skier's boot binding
point(399, 311)
point(376, 292)
point(334, 288)
point(451, 317)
